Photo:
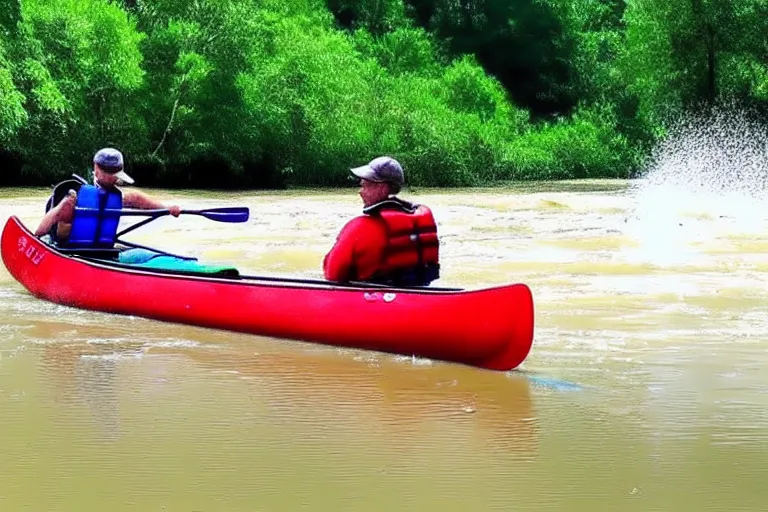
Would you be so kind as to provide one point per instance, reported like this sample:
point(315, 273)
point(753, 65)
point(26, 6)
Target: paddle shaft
point(236, 214)
point(212, 212)
point(164, 253)
point(225, 215)
point(134, 226)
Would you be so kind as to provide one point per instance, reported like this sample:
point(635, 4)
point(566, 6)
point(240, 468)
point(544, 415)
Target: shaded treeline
point(268, 93)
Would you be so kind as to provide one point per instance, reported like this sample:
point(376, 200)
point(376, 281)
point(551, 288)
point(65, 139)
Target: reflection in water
point(85, 375)
point(406, 401)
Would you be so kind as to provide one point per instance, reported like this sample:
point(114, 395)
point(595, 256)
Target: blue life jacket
point(92, 226)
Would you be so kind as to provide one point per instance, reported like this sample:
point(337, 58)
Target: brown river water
point(646, 388)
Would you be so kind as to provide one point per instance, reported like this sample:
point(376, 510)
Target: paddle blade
point(233, 214)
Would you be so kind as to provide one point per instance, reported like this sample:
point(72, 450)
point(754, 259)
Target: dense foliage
point(249, 93)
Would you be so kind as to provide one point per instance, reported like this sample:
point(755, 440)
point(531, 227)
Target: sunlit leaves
point(77, 64)
point(12, 112)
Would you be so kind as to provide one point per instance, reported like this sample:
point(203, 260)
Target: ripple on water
point(113, 356)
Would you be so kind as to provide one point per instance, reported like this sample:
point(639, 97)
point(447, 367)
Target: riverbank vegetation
point(269, 93)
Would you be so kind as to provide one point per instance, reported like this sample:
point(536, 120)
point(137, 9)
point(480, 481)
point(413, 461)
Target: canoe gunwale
point(260, 280)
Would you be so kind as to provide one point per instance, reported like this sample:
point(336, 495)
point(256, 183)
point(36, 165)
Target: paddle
point(235, 214)
point(231, 214)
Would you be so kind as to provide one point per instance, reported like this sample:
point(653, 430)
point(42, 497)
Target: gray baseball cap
point(110, 161)
point(381, 169)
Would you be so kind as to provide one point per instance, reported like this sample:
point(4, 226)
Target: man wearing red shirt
point(394, 242)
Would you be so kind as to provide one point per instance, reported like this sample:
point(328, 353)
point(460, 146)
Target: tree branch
point(173, 115)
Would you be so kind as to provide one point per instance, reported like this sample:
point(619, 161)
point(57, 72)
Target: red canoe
point(489, 328)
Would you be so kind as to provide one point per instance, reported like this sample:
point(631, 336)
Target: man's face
point(372, 192)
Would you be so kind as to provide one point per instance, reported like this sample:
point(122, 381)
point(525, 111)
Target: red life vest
point(412, 254)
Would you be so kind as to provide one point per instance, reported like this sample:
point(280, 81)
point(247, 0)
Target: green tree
point(698, 51)
point(522, 44)
point(200, 129)
point(77, 63)
point(13, 116)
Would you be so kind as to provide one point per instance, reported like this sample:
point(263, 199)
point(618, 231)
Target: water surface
point(645, 388)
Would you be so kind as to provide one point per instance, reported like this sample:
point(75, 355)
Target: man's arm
point(339, 263)
point(141, 201)
point(62, 212)
point(47, 222)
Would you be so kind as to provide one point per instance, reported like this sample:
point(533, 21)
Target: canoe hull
point(489, 328)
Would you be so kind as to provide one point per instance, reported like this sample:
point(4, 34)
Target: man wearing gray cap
point(108, 171)
point(394, 242)
point(110, 161)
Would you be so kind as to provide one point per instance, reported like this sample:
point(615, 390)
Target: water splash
point(724, 153)
point(708, 176)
